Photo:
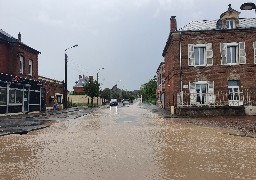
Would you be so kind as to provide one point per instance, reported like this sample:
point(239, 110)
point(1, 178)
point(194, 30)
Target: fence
point(221, 98)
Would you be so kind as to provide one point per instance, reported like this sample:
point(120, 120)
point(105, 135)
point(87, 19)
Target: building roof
point(10, 39)
point(244, 23)
point(81, 82)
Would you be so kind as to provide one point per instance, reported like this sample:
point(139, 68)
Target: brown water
point(131, 144)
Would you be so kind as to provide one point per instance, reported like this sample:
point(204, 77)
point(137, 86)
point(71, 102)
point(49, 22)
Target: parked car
point(113, 102)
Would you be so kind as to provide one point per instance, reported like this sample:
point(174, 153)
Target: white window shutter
point(242, 54)
point(223, 53)
point(211, 96)
point(254, 47)
point(209, 54)
point(191, 57)
point(192, 91)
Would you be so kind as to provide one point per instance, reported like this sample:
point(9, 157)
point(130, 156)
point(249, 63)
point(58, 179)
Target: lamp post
point(66, 78)
point(248, 6)
point(97, 84)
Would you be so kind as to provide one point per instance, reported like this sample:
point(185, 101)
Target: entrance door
point(201, 90)
point(25, 101)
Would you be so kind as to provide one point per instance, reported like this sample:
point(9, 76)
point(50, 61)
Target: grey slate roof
point(10, 39)
point(211, 24)
point(81, 82)
point(4, 35)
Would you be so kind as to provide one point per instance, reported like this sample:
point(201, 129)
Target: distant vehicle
point(126, 102)
point(113, 102)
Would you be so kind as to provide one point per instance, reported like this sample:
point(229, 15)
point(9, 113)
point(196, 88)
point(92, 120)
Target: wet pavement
point(134, 143)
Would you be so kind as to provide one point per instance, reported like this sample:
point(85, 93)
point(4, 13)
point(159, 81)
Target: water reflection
point(102, 146)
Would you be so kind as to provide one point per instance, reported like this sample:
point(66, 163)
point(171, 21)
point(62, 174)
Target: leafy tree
point(91, 89)
point(148, 91)
point(106, 94)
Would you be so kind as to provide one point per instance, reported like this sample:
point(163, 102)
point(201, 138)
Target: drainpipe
point(180, 63)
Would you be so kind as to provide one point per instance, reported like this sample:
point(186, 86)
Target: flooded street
point(133, 143)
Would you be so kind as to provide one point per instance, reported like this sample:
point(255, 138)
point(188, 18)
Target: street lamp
point(98, 83)
point(66, 78)
point(248, 6)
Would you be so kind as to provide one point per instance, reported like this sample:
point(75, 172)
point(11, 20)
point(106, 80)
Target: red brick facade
point(217, 75)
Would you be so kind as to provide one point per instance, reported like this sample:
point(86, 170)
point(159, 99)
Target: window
point(3, 96)
point(201, 92)
point(21, 64)
point(233, 53)
point(200, 54)
point(233, 93)
point(254, 47)
point(230, 24)
point(15, 96)
point(30, 68)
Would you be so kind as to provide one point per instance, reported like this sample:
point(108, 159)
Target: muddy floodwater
point(133, 143)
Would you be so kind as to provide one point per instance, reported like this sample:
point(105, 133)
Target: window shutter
point(242, 54)
point(191, 56)
point(209, 54)
point(223, 53)
point(211, 96)
point(254, 47)
point(192, 91)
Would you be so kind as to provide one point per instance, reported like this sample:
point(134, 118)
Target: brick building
point(20, 88)
point(211, 63)
point(79, 87)
point(160, 91)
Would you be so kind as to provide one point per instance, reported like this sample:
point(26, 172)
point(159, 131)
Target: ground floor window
point(201, 92)
point(3, 96)
point(15, 96)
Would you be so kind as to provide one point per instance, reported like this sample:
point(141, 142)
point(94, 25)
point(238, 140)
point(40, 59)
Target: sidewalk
point(23, 123)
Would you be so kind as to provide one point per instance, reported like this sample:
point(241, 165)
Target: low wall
point(250, 110)
point(83, 99)
point(210, 111)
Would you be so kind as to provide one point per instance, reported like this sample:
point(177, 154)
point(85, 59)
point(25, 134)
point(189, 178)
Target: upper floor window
point(233, 53)
point(200, 54)
point(254, 48)
point(230, 24)
point(30, 65)
point(21, 64)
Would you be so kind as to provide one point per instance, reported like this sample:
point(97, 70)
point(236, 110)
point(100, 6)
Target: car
point(113, 102)
point(126, 102)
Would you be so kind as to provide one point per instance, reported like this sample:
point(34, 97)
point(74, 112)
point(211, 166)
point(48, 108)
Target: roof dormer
point(229, 19)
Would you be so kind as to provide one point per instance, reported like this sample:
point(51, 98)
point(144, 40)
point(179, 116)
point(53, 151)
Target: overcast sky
point(125, 37)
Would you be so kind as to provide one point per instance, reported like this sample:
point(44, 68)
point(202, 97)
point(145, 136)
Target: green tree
point(106, 94)
point(91, 89)
point(148, 91)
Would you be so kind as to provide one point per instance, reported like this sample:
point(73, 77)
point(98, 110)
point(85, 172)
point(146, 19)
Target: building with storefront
point(20, 88)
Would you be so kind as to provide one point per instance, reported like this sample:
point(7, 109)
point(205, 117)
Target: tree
point(91, 89)
point(106, 94)
point(148, 91)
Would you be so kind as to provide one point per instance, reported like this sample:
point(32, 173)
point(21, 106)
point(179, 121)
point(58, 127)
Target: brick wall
point(218, 73)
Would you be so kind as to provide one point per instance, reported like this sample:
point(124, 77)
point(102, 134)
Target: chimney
point(173, 24)
point(80, 76)
point(19, 37)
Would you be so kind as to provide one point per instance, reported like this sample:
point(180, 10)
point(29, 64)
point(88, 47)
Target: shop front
point(19, 94)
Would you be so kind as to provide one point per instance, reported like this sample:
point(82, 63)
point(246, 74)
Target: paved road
point(133, 143)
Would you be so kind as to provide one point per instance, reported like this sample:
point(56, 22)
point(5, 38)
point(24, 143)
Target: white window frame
point(254, 50)
point(208, 54)
point(237, 52)
point(204, 56)
point(209, 97)
point(21, 64)
point(240, 53)
point(30, 67)
point(228, 24)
